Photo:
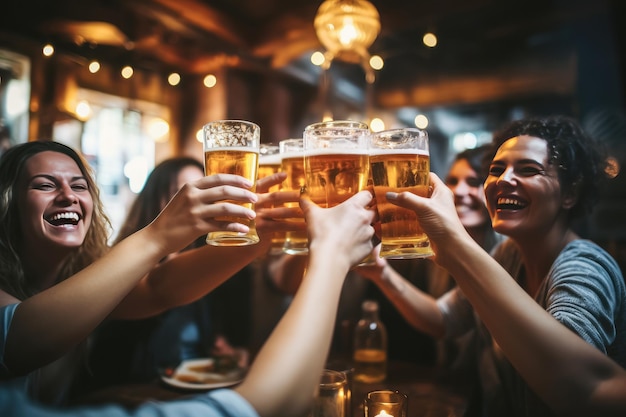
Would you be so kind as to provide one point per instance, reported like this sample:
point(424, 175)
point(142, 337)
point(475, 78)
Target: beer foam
point(233, 148)
point(335, 151)
point(386, 151)
point(273, 159)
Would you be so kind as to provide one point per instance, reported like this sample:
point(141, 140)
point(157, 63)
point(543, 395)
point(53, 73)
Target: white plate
point(189, 375)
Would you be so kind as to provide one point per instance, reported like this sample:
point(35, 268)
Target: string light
point(127, 72)
point(317, 58)
point(94, 66)
point(173, 78)
point(430, 40)
point(376, 62)
point(421, 121)
point(48, 50)
point(210, 81)
point(377, 125)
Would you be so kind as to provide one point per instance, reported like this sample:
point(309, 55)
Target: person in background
point(543, 174)
point(465, 178)
point(59, 280)
point(124, 351)
point(285, 373)
point(571, 376)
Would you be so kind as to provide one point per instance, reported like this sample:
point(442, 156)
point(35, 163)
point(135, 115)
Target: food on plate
point(208, 371)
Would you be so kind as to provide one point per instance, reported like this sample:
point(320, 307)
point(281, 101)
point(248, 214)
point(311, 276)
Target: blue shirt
point(584, 290)
point(6, 316)
point(219, 403)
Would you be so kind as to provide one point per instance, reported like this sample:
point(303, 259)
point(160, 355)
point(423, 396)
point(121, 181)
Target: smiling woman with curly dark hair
point(580, 161)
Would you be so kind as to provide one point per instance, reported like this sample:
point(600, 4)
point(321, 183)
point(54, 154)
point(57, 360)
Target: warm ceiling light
point(210, 81)
point(94, 66)
point(430, 40)
point(376, 62)
point(347, 28)
point(173, 79)
point(83, 110)
point(377, 125)
point(421, 121)
point(127, 72)
point(48, 50)
point(317, 58)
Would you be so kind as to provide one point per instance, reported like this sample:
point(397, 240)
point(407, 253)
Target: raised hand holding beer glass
point(400, 161)
point(335, 160)
point(232, 147)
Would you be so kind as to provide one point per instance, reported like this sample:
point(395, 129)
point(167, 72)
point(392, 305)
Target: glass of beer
point(335, 160)
point(269, 163)
point(400, 161)
point(292, 153)
point(232, 147)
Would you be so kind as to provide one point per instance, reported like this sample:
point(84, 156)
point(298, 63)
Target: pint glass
point(269, 163)
point(335, 160)
point(292, 153)
point(232, 147)
point(400, 161)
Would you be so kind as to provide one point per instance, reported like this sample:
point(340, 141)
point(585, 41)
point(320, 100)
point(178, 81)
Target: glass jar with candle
point(370, 346)
point(385, 403)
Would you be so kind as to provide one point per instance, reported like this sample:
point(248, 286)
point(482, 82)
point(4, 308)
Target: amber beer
point(334, 175)
point(232, 147)
point(399, 170)
point(336, 161)
point(292, 151)
point(237, 161)
point(269, 163)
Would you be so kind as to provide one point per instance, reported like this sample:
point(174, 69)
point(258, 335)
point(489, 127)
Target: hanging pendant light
point(347, 28)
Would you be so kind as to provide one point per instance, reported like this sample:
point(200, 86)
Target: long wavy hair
point(580, 160)
point(12, 277)
point(160, 187)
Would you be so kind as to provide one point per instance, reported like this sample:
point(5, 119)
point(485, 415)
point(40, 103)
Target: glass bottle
point(370, 345)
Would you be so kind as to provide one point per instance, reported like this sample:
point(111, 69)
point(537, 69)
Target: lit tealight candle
point(383, 413)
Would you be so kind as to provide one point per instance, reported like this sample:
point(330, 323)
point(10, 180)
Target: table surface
point(429, 392)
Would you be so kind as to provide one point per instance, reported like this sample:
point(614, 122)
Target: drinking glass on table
point(292, 153)
point(232, 147)
point(269, 163)
point(400, 161)
point(330, 398)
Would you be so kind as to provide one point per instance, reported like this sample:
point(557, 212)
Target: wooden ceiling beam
point(556, 76)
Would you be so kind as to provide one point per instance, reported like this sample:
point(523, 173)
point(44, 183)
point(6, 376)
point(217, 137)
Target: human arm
point(570, 375)
point(48, 324)
point(285, 271)
point(418, 308)
point(194, 273)
point(294, 355)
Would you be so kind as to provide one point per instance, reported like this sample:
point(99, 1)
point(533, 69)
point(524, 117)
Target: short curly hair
point(580, 160)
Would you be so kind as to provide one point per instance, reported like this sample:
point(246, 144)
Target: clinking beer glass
point(269, 163)
point(335, 160)
point(232, 147)
point(400, 161)
point(292, 153)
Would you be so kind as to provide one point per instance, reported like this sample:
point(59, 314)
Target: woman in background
point(423, 280)
point(125, 351)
